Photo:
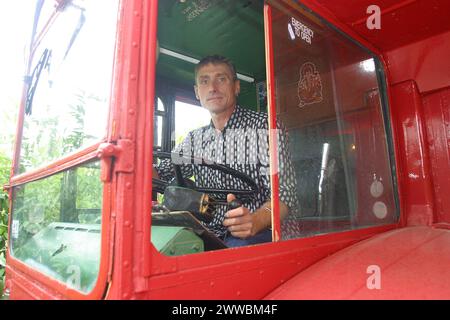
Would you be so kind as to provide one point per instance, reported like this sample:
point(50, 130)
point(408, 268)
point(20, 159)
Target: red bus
point(361, 89)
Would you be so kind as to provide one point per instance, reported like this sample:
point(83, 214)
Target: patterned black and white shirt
point(242, 145)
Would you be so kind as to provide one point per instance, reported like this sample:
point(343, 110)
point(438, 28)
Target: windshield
point(69, 84)
point(56, 220)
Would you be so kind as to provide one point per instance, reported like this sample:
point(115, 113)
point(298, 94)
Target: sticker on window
point(15, 229)
point(296, 28)
point(309, 85)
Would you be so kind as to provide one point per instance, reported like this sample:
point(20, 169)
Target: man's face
point(216, 88)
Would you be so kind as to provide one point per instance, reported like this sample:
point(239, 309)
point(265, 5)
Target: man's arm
point(262, 218)
point(164, 170)
point(241, 223)
point(155, 173)
point(286, 172)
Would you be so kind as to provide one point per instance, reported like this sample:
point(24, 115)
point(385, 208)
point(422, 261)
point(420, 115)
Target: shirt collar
point(232, 121)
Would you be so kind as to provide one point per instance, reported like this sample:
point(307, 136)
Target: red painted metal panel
point(145, 139)
point(357, 10)
point(437, 117)
point(413, 264)
point(426, 62)
point(402, 22)
point(247, 272)
point(24, 287)
point(59, 165)
point(132, 115)
point(414, 160)
point(276, 228)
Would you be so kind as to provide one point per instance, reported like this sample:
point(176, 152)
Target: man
point(237, 138)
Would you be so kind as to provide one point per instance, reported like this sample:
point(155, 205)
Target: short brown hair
point(216, 59)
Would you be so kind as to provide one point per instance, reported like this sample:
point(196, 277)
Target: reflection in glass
point(328, 96)
point(56, 225)
point(67, 101)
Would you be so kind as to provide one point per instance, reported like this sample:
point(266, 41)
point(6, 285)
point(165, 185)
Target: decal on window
point(377, 187)
point(296, 28)
point(15, 229)
point(380, 210)
point(309, 85)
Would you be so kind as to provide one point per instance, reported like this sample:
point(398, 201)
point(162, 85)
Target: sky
point(15, 31)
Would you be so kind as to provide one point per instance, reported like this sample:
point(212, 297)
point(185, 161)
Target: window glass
point(328, 97)
point(70, 81)
point(198, 117)
point(47, 8)
point(158, 128)
point(334, 173)
point(160, 105)
point(183, 43)
point(56, 225)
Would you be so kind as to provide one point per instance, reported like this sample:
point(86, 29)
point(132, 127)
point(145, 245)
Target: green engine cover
point(68, 252)
point(176, 241)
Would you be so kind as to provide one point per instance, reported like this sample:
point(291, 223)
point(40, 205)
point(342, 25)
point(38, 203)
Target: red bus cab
point(361, 90)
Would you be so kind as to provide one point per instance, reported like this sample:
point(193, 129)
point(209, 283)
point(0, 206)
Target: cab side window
point(328, 96)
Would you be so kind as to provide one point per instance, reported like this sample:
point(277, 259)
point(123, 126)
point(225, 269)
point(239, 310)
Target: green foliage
point(73, 197)
point(5, 164)
point(36, 204)
point(3, 237)
point(49, 135)
point(58, 197)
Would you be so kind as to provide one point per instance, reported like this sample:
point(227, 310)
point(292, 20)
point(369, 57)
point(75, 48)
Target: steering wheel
point(160, 185)
point(210, 240)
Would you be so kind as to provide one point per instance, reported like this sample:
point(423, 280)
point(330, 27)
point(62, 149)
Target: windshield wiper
point(44, 62)
point(81, 21)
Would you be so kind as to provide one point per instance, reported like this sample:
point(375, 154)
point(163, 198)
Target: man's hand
point(239, 221)
point(243, 224)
